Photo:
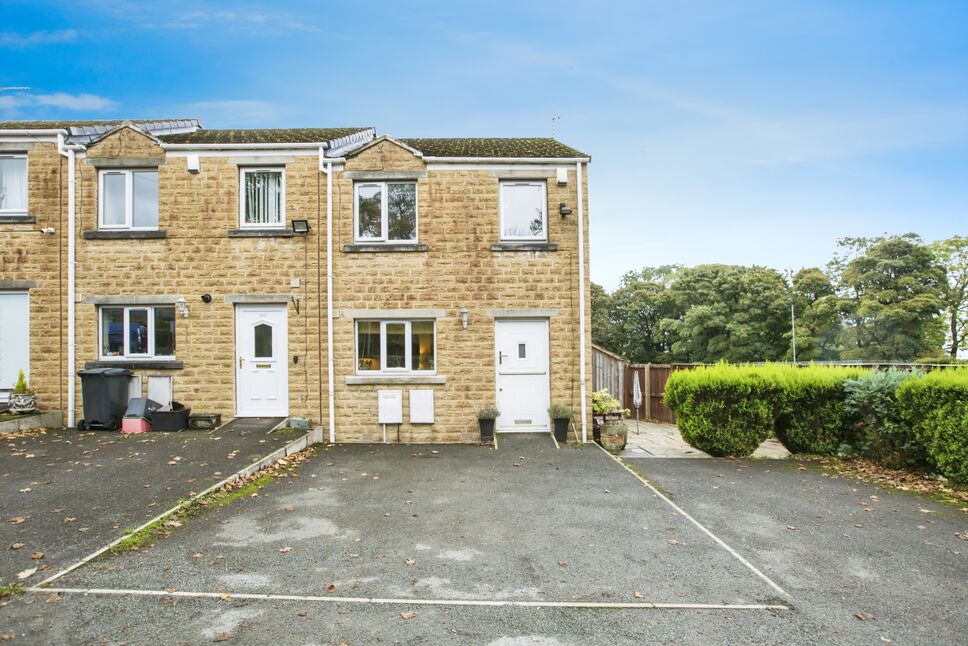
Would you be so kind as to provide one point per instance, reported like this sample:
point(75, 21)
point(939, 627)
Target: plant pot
point(614, 436)
point(21, 403)
point(561, 429)
point(487, 430)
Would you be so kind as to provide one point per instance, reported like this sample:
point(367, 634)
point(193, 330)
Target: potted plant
point(561, 415)
point(22, 399)
point(486, 417)
point(604, 407)
point(614, 435)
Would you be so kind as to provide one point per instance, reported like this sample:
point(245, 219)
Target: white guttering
point(69, 152)
point(581, 303)
point(260, 146)
point(506, 160)
point(330, 386)
point(34, 132)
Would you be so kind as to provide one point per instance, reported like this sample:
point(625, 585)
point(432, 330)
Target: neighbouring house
point(309, 272)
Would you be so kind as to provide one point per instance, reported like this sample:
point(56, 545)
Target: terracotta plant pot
point(614, 435)
point(21, 403)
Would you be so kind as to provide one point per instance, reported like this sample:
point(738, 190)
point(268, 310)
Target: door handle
point(500, 358)
point(240, 363)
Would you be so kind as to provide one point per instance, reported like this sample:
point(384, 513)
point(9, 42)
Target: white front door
point(261, 362)
point(14, 338)
point(523, 387)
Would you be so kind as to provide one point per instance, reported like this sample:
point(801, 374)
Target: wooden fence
point(610, 372)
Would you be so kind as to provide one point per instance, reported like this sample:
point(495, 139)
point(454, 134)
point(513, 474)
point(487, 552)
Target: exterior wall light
point(182, 306)
point(206, 298)
point(564, 210)
point(464, 313)
point(300, 226)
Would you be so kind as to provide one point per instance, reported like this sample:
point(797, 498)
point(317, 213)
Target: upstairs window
point(128, 199)
point(13, 183)
point(524, 211)
point(137, 332)
point(262, 204)
point(385, 212)
point(393, 347)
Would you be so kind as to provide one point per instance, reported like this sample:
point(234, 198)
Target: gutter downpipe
point(69, 152)
point(330, 386)
point(581, 303)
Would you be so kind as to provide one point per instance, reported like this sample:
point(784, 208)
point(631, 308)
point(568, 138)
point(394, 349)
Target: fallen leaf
point(285, 550)
point(197, 555)
point(26, 490)
point(962, 535)
point(562, 563)
point(638, 595)
point(26, 574)
point(329, 587)
point(672, 541)
point(54, 598)
point(792, 528)
point(287, 508)
point(225, 597)
point(222, 637)
point(37, 556)
point(173, 523)
point(409, 614)
point(863, 616)
point(17, 546)
point(16, 520)
point(409, 562)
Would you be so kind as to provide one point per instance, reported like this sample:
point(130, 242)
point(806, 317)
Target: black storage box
point(174, 420)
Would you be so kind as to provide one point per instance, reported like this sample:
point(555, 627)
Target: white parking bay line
point(695, 522)
point(489, 603)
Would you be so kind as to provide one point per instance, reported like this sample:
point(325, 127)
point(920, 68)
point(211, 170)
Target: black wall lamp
point(300, 226)
point(564, 210)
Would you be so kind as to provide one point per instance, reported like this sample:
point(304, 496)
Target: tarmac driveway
point(64, 494)
point(524, 545)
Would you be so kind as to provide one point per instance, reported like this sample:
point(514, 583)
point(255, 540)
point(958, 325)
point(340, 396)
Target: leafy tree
point(817, 315)
point(637, 308)
point(953, 255)
point(727, 312)
point(603, 328)
point(891, 294)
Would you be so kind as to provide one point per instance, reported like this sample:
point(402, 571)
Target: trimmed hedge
point(936, 406)
point(882, 434)
point(811, 417)
point(724, 410)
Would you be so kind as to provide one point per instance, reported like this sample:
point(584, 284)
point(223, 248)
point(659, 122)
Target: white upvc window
point(128, 199)
point(262, 198)
point(524, 211)
point(137, 332)
point(385, 212)
point(13, 184)
point(396, 347)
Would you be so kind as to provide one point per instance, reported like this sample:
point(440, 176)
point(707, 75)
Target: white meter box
point(421, 407)
point(389, 405)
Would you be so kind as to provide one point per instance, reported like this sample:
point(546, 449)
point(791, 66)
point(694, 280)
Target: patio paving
point(658, 440)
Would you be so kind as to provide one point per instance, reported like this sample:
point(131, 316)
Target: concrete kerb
point(299, 444)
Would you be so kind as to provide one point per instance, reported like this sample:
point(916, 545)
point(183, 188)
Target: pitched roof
point(262, 136)
point(86, 132)
point(493, 147)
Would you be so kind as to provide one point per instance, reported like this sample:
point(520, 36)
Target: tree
point(637, 308)
point(953, 255)
point(817, 314)
point(603, 328)
point(891, 294)
point(727, 312)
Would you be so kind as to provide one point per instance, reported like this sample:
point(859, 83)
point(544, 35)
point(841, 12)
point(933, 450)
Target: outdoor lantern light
point(206, 298)
point(463, 317)
point(182, 306)
point(300, 226)
point(564, 210)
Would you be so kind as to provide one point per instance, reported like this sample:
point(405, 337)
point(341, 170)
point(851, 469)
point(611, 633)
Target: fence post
point(647, 390)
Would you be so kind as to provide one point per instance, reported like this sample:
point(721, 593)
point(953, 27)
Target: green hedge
point(811, 417)
point(724, 410)
point(936, 406)
point(882, 434)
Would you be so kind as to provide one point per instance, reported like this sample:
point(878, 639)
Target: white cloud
point(232, 112)
point(56, 37)
point(16, 103)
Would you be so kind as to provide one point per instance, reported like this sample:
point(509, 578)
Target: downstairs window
point(138, 332)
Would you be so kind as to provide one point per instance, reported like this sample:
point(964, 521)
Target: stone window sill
point(103, 234)
point(161, 364)
point(380, 247)
point(524, 246)
point(362, 380)
point(17, 218)
point(261, 233)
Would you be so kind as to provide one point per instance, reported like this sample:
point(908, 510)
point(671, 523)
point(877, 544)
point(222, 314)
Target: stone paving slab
point(658, 440)
point(77, 491)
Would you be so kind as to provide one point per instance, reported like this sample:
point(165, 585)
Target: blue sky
point(739, 132)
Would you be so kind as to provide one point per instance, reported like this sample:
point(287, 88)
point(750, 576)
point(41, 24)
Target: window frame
point(126, 337)
point(384, 212)
point(128, 224)
point(544, 214)
point(26, 207)
point(245, 170)
point(407, 370)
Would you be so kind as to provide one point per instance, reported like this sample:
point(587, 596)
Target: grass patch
point(11, 590)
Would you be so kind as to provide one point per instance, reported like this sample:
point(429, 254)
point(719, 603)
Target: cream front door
point(261, 361)
point(523, 387)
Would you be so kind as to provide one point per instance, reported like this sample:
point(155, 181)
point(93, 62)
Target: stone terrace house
point(298, 272)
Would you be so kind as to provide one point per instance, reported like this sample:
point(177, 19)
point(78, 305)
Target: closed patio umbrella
point(636, 397)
